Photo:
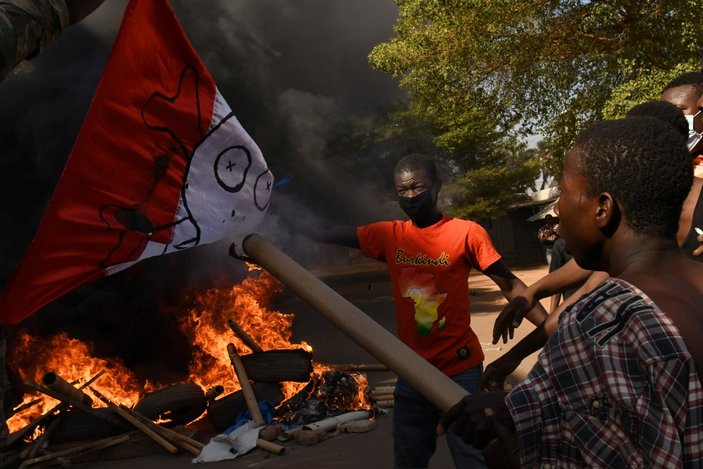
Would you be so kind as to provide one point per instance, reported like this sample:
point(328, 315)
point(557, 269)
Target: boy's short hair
point(694, 79)
point(663, 110)
point(643, 163)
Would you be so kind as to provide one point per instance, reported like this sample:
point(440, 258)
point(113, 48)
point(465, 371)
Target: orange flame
point(245, 303)
point(70, 359)
point(206, 327)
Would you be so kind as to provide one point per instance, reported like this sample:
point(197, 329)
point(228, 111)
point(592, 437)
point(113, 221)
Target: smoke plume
point(293, 72)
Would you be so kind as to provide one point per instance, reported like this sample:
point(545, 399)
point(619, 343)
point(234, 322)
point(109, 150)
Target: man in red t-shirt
point(429, 258)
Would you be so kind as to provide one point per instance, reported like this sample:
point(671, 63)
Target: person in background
point(547, 236)
point(559, 258)
point(684, 92)
point(618, 384)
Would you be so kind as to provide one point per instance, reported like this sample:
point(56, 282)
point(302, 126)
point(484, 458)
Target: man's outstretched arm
point(568, 276)
point(495, 373)
point(512, 287)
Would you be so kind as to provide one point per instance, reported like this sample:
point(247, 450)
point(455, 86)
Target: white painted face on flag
point(228, 184)
point(226, 189)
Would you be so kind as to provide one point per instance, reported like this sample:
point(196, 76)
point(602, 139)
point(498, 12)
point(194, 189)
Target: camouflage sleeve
point(27, 27)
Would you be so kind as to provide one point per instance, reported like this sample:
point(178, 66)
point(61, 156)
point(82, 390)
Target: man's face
point(686, 98)
point(576, 211)
point(412, 183)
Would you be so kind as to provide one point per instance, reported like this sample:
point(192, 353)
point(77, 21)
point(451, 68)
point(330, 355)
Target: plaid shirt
point(615, 386)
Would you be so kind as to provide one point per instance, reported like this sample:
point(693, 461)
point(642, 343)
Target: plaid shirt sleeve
point(672, 433)
point(614, 387)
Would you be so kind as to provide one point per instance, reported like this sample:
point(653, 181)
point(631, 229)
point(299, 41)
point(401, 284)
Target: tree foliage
point(481, 72)
point(486, 191)
point(643, 88)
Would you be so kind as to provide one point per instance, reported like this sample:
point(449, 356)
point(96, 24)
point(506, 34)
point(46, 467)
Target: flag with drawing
point(161, 164)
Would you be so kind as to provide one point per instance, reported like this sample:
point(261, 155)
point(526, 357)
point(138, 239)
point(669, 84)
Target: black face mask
point(419, 208)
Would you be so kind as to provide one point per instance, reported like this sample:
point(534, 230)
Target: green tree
point(486, 191)
point(642, 88)
point(482, 72)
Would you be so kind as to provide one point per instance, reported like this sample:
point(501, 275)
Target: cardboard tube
point(332, 422)
point(55, 382)
point(435, 385)
point(247, 390)
point(269, 446)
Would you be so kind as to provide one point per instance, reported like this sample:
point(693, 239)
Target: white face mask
point(693, 136)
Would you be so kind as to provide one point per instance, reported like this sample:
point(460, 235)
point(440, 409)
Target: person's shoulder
point(472, 229)
point(560, 244)
point(461, 222)
point(617, 309)
point(381, 224)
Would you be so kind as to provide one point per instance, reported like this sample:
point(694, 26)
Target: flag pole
point(377, 340)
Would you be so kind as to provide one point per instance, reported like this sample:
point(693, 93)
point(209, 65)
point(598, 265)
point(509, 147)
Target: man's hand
point(493, 377)
point(512, 315)
point(699, 250)
point(503, 452)
point(469, 419)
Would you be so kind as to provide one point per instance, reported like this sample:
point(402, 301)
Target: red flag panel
point(160, 164)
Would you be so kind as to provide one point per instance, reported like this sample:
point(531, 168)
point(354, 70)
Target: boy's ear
point(607, 214)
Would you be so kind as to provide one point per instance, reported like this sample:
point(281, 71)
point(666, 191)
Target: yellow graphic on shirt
point(421, 289)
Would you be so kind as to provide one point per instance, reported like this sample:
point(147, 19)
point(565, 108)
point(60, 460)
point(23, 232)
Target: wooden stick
point(189, 444)
point(92, 380)
point(247, 390)
point(30, 451)
point(24, 431)
point(250, 400)
point(439, 388)
point(383, 390)
point(144, 428)
point(388, 403)
point(79, 450)
point(359, 367)
point(78, 404)
point(27, 405)
point(242, 334)
point(192, 446)
point(269, 446)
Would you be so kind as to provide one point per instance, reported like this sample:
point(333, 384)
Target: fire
point(245, 303)
point(206, 327)
point(70, 359)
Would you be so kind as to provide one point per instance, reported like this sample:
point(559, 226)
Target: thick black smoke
point(293, 72)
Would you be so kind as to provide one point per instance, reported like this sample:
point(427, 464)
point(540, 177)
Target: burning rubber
point(435, 385)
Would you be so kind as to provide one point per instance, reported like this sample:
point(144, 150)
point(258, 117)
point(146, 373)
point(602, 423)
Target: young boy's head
point(633, 171)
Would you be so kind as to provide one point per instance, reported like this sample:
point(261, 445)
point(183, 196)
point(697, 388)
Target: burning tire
point(223, 412)
point(178, 404)
point(77, 425)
